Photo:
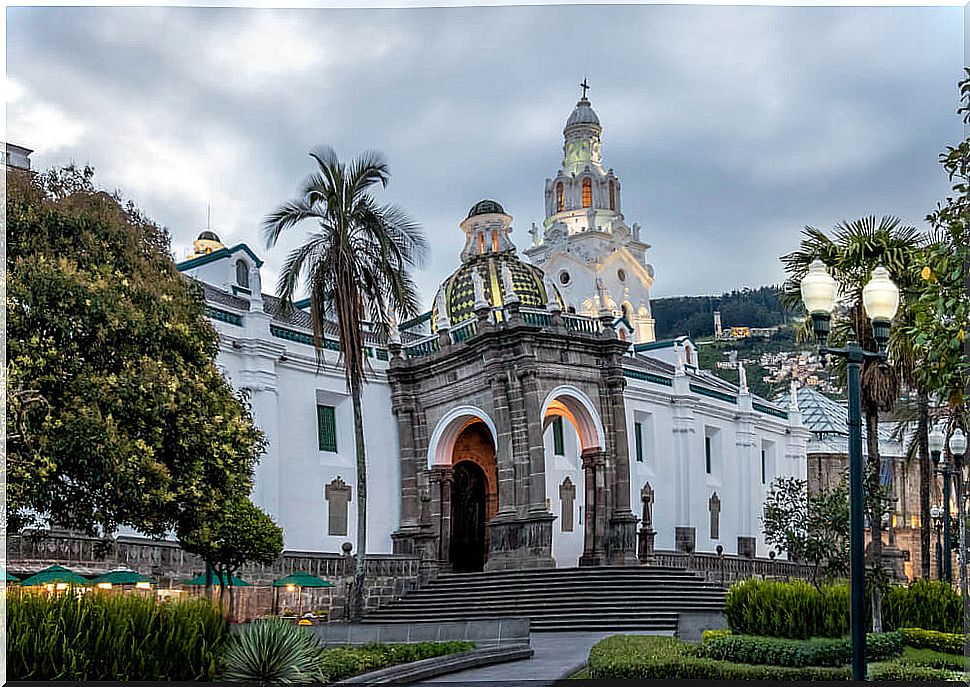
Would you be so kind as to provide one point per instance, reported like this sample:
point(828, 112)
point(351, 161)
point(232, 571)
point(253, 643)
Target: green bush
point(708, 635)
point(125, 637)
point(795, 610)
point(340, 663)
point(927, 658)
point(273, 651)
point(901, 672)
point(643, 657)
point(796, 653)
point(947, 642)
point(930, 604)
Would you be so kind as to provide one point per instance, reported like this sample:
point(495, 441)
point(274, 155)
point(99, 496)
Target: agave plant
point(273, 651)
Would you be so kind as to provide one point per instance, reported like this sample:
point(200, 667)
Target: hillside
point(694, 315)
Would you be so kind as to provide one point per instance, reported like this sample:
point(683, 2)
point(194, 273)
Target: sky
point(731, 128)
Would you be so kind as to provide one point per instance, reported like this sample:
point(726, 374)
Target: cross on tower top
point(585, 87)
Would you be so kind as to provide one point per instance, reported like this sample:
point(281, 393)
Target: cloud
point(730, 127)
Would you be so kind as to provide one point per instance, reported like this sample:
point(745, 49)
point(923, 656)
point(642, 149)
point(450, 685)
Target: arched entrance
point(469, 489)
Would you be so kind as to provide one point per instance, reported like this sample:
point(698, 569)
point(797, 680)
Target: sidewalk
point(557, 655)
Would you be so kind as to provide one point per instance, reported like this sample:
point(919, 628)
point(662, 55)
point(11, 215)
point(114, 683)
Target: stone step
point(612, 591)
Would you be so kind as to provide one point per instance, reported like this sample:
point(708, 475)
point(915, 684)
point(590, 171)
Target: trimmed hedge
point(947, 642)
point(119, 637)
point(340, 663)
point(927, 658)
point(644, 657)
point(796, 653)
point(899, 671)
point(797, 610)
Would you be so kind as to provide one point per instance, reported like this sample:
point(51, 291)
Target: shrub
point(796, 610)
point(901, 672)
point(947, 642)
point(708, 635)
point(930, 604)
point(797, 653)
point(642, 657)
point(340, 663)
point(273, 651)
point(119, 637)
point(928, 658)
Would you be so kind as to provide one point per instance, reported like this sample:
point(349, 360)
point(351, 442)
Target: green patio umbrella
point(123, 577)
point(56, 574)
point(298, 580)
point(302, 579)
point(199, 581)
point(12, 578)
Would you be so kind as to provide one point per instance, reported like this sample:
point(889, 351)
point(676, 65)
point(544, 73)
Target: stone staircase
point(562, 599)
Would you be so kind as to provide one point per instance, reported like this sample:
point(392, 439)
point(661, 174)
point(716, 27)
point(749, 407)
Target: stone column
point(262, 387)
point(594, 520)
point(621, 544)
point(441, 477)
point(746, 440)
point(684, 431)
point(537, 452)
point(504, 460)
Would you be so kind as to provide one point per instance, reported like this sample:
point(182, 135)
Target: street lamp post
point(958, 448)
point(880, 298)
point(937, 440)
point(936, 514)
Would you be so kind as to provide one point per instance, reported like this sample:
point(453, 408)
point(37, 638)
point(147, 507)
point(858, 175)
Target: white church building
point(530, 419)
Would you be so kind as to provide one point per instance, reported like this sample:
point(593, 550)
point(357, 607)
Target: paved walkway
point(557, 655)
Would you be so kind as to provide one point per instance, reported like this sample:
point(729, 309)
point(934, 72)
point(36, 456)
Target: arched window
point(495, 242)
point(587, 192)
point(481, 243)
point(612, 195)
point(242, 274)
point(560, 197)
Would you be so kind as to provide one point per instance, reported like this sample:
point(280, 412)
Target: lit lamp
point(291, 587)
point(880, 298)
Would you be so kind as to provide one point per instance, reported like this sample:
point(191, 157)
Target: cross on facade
point(585, 87)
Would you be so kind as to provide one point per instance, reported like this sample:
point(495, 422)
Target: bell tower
point(584, 239)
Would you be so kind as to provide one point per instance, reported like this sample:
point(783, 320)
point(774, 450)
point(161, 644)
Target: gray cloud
point(730, 128)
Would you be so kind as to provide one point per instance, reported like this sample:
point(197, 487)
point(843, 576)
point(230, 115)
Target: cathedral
point(529, 419)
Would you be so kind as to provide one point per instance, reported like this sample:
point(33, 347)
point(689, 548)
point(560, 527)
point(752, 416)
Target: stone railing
point(726, 570)
point(386, 576)
point(581, 323)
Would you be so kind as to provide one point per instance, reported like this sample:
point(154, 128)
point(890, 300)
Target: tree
point(355, 262)
point(232, 534)
point(118, 414)
point(851, 253)
point(810, 528)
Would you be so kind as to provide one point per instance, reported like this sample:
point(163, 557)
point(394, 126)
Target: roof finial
point(585, 87)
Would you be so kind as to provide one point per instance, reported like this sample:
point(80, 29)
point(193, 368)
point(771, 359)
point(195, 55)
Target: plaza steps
point(560, 599)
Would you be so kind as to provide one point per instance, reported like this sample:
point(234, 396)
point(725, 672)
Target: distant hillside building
point(16, 157)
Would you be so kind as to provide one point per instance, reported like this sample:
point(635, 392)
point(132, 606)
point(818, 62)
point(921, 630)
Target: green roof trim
point(192, 263)
point(415, 321)
point(302, 303)
point(302, 579)
point(11, 577)
point(647, 377)
point(223, 315)
point(711, 393)
point(654, 345)
point(768, 410)
point(290, 335)
point(56, 574)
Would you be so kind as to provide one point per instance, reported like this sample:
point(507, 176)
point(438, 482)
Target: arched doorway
point(469, 489)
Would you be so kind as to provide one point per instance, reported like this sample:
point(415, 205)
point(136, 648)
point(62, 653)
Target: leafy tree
point(232, 534)
point(355, 264)
point(118, 414)
point(811, 528)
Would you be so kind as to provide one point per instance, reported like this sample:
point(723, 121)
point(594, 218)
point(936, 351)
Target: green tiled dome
point(460, 291)
point(486, 207)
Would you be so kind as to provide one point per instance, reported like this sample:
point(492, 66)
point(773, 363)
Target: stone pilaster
point(441, 477)
point(594, 522)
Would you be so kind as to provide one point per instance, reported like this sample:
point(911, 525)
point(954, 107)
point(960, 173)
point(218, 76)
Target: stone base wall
point(388, 577)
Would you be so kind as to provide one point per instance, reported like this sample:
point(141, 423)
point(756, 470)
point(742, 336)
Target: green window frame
point(707, 454)
point(327, 428)
point(638, 440)
point(558, 440)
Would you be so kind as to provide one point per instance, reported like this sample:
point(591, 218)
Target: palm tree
point(355, 263)
point(854, 249)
